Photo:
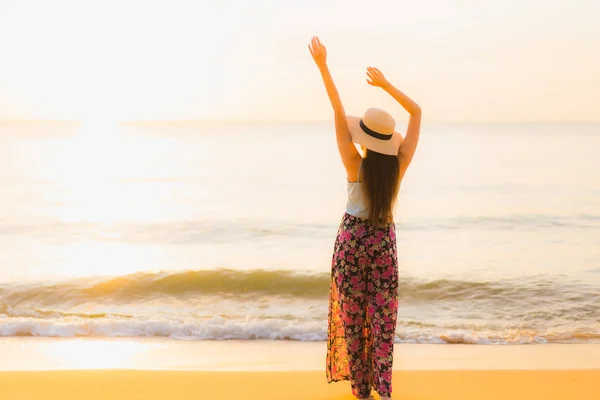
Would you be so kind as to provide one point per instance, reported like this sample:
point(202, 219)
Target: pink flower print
point(352, 250)
point(392, 234)
point(379, 261)
point(353, 346)
point(347, 319)
point(388, 272)
point(345, 236)
point(388, 260)
point(359, 375)
point(340, 279)
point(362, 261)
point(359, 320)
point(359, 287)
point(376, 275)
point(379, 236)
point(354, 280)
point(379, 299)
point(385, 347)
point(382, 388)
point(360, 232)
point(376, 328)
point(387, 376)
point(393, 304)
point(386, 318)
point(371, 310)
point(370, 286)
point(371, 251)
point(350, 259)
point(389, 327)
point(354, 308)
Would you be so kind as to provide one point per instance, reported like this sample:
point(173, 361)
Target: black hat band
point(372, 133)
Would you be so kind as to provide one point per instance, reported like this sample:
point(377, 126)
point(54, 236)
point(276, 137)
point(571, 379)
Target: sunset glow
point(138, 60)
point(96, 354)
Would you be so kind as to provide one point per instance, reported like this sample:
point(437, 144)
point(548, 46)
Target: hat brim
point(389, 147)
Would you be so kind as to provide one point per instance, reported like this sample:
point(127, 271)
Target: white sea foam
point(219, 328)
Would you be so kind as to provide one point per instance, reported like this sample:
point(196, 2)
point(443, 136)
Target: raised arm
point(350, 156)
point(409, 144)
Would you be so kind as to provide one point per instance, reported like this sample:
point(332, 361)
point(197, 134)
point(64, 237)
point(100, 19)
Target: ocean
point(225, 231)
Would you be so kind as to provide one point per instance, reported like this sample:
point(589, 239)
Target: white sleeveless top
point(356, 205)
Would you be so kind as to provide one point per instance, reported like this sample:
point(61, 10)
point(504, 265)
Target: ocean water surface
point(218, 231)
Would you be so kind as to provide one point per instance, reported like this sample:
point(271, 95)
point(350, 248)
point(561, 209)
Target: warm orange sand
point(306, 385)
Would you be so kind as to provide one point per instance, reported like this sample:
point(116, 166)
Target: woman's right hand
point(318, 52)
point(376, 78)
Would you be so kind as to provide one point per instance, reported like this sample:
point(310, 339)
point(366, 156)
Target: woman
point(363, 300)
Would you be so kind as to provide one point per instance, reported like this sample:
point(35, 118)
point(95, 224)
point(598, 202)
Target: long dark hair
point(381, 183)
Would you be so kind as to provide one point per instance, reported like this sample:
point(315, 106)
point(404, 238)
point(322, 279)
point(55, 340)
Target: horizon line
point(283, 121)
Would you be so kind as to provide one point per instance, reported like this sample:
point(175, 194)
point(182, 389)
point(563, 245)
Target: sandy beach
point(121, 369)
point(292, 385)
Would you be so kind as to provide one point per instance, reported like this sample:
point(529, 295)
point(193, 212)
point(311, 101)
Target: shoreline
point(29, 354)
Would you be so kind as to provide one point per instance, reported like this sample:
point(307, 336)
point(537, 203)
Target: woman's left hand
point(318, 52)
point(376, 78)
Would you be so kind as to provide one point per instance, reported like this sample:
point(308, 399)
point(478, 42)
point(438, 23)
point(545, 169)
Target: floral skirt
point(363, 306)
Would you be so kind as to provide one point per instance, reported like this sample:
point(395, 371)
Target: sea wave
point(144, 286)
point(221, 304)
point(219, 328)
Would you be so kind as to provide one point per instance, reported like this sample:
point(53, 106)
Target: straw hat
point(375, 131)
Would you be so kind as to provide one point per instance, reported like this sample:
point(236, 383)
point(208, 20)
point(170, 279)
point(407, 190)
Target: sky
point(461, 60)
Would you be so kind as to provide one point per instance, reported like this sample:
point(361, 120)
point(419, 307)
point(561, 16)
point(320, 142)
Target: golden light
point(100, 188)
point(89, 169)
point(100, 256)
point(96, 353)
point(100, 174)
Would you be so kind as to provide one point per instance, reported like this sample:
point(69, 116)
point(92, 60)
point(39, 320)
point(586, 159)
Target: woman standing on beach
point(363, 300)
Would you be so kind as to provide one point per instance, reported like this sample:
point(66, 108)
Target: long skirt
point(363, 306)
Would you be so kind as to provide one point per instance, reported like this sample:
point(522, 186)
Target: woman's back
point(373, 195)
point(357, 203)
